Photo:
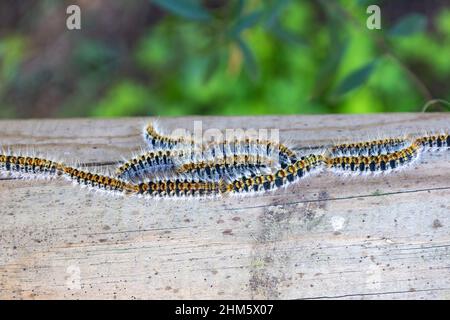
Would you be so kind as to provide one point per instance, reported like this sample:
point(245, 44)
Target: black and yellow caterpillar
point(172, 168)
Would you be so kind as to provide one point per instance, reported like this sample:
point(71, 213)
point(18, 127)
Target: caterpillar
point(165, 151)
point(265, 148)
point(256, 183)
point(157, 140)
point(369, 148)
point(303, 167)
point(28, 167)
point(148, 163)
point(98, 181)
point(389, 145)
point(174, 168)
point(181, 187)
point(215, 171)
point(375, 164)
point(434, 141)
point(161, 161)
point(219, 161)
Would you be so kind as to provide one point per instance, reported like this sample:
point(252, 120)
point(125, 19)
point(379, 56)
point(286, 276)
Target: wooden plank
point(327, 237)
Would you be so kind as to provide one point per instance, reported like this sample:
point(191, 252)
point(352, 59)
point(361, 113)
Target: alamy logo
point(73, 21)
point(374, 20)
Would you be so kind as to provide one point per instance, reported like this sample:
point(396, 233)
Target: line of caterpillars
point(170, 168)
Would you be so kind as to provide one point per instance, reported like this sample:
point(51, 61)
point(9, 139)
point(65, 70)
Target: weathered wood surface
point(368, 238)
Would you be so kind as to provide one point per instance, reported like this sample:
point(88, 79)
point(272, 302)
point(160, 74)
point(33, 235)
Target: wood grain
point(327, 237)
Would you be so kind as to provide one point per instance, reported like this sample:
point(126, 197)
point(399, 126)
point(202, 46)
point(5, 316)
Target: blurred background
point(180, 57)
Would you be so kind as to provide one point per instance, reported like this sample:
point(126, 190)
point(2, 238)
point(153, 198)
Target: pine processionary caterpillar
point(219, 161)
point(434, 141)
point(369, 148)
point(205, 163)
point(255, 183)
point(216, 171)
point(242, 155)
point(149, 163)
point(229, 167)
point(25, 166)
point(265, 182)
point(98, 181)
point(262, 148)
point(157, 140)
point(375, 164)
point(180, 188)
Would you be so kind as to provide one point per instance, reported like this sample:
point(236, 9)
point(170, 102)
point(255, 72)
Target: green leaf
point(274, 12)
point(211, 67)
point(185, 8)
point(329, 67)
point(12, 52)
point(364, 2)
point(288, 36)
point(238, 8)
point(409, 25)
point(245, 22)
point(355, 79)
point(249, 59)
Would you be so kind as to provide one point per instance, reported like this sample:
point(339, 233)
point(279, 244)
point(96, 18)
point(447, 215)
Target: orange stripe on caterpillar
point(266, 148)
point(157, 140)
point(266, 182)
point(149, 163)
point(181, 188)
point(434, 141)
point(26, 165)
point(98, 181)
point(368, 148)
point(375, 164)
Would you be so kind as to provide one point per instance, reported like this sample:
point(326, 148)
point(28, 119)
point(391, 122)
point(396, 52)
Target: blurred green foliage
point(228, 58)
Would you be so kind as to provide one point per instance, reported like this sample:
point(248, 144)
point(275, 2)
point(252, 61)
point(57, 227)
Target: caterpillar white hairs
point(176, 168)
point(148, 164)
point(369, 148)
point(212, 161)
point(156, 139)
point(232, 160)
point(305, 166)
point(97, 181)
point(434, 141)
point(27, 166)
point(383, 163)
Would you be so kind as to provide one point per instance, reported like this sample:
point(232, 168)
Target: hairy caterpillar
point(149, 163)
point(255, 183)
point(204, 163)
point(26, 166)
point(176, 167)
point(98, 181)
point(375, 164)
point(369, 148)
point(235, 159)
point(434, 141)
point(181, 188)
point(182, 154)
point(157, 140)
point(265, 182)
point(262, 148)
point(212, 171)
